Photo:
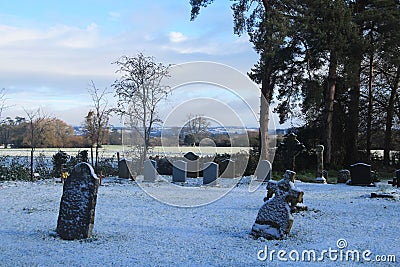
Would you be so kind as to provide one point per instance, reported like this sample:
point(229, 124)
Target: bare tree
point(37, 123)
point(96, 122)
point(196, 126)
point(139, 91)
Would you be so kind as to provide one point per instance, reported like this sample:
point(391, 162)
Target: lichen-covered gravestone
point(274, 220)
point(78, 202)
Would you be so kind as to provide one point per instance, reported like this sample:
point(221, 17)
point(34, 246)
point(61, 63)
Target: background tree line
point(334, 64)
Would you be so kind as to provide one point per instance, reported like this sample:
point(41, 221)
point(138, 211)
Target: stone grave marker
point(263, 171)
point(343, 176)
point(123, 169)
point(320, 165)
point(210, 172)
point(78, 202)
point(150, 171)
point(192, 161)
point(360, 174)
point(227, 169)
point(179, 171)
point(274, 219)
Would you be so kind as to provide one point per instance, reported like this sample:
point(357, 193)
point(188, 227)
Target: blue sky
point(51, 50)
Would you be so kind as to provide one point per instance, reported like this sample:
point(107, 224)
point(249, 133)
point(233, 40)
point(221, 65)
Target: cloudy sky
point(51, 50)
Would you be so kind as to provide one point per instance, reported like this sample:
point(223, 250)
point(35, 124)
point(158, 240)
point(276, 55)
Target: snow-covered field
point(133, 229)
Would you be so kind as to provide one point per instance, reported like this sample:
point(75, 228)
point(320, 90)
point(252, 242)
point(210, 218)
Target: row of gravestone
point(210, 171)
point(183, 169)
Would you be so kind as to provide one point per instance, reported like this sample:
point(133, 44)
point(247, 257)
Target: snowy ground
point(132, 229)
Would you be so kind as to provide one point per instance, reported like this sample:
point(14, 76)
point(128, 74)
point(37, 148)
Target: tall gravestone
point(150, 171)
point(227, 169)
point(179, 171)
point(320, 165)
point(210, 172)
point(263, 171)
point(78, 202)
point(192, 161)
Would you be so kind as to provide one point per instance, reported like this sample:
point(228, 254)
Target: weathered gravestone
point(360, 174)
point(291, 148)
point(320, 165)
point(192, 161)
point(210, 172)
point(123, 169)
point(150, 171)
point(78, 202)
point(179, 171)
point(227, 169)
point(343, 176)
point(274, 220)
point(263, 171)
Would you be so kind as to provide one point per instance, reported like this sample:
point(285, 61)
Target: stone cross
point(179, 171)
point(320, 164)
point(78, 202)
point(274, 220)
point(210, 172)
point(150, 171)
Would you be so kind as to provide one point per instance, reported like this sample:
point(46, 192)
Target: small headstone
point(360, 174)
point(210, 172)
point(179, 171)
point(78, 202)
point(123, 169)
point(320, 165)
point(227, 169)
point(274, 220)
point(192, 161)
point(263, 171)
point(150, 171)
point(343, 176)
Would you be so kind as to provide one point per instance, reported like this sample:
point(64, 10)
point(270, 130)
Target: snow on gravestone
point(274, 220)
point(78, 202)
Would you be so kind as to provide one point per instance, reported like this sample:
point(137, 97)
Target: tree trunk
point(370, 105)
point(328, 109)
point(389, 119)
point(91, 154)
point(264, 110)
point(97, 157)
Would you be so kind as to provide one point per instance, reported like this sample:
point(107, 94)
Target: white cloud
point(177, 37)
point(114, 15)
